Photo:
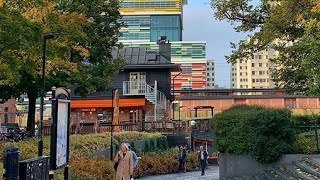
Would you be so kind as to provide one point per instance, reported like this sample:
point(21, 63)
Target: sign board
point(62, 132)
point(59, 151)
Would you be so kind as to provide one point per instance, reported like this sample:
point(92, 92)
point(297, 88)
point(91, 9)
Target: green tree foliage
point(274, 24)
point(80, 58)
point(263, 133)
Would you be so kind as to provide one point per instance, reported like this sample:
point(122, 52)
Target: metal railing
point(134, 88)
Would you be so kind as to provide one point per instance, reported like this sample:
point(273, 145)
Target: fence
point(171, 127)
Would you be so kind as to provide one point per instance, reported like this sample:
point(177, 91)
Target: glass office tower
point(148, 20)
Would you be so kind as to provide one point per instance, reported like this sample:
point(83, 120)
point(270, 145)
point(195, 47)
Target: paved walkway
point(212, 173)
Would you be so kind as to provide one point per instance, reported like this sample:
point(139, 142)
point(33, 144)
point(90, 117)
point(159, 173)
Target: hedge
point(264, 133)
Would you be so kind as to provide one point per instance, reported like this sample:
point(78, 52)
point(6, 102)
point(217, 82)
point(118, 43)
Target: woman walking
point(125, 163)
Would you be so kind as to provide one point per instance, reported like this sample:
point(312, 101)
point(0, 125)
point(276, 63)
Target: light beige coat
point(125, 167)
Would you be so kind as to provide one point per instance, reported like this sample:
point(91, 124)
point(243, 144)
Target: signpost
point(59, 149)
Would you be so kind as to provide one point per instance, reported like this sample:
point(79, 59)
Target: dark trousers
point(181, 165)
point(203, 165)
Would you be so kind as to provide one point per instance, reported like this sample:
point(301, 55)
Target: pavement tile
point(212, 173)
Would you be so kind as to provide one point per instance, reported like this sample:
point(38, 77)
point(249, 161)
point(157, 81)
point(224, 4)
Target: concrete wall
point(232, 165)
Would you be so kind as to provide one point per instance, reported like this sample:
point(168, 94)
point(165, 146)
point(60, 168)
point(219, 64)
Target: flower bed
point(164, 163)
point(81, 147)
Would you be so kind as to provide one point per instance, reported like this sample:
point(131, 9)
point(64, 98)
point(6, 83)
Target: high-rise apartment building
point(148, 20)
point(210, 75)
point(253, 72)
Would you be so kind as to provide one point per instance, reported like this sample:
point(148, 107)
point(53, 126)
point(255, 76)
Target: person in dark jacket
point(202, 156)
point(182, 156)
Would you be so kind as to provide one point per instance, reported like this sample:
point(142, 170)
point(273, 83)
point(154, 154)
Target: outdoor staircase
point(153, 95)
point(158, 99)
point(305, 169)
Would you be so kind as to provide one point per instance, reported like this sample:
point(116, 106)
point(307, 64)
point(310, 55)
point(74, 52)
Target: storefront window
point(137, 115)
point(104, 116)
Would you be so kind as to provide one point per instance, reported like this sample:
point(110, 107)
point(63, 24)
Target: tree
point(81, 58)
point(275, 23)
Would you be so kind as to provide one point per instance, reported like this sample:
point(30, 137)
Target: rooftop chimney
point(164, 47)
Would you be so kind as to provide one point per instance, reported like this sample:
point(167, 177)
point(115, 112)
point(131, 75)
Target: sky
point(200, 25)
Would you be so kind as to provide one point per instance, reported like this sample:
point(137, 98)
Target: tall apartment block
point(148, 20)
point(210, 83)
point(254, 72)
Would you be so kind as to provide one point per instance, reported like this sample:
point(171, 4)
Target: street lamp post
point(180, 120)
point(43, 90)
point(111, 144)
point(173, 93)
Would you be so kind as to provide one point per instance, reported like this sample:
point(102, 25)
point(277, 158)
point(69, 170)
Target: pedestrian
point(134, 158)
point(182, 158)
point(202, 156)
point(125, 163)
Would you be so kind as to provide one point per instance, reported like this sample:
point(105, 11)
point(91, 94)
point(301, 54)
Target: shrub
point(133, 136)
point(162, 143)
point(165, 163)
point(81, 147)
point(92, 169)
point(235, 128)
point(306, 143)
point(133, 147)
point(300, 120)
point(152, 146)
point(264, 133)
point(146, 147)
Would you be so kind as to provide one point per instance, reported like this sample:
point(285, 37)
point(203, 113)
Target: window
point(253, 80)
point(208, 79)
point(253, 72)
point(212, 74)
point(165, 26)
point(256, 57)
point(260, 57)
point(267, 64)
point(187, 69)
point(260, 64)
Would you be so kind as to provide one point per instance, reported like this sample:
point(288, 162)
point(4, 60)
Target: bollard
point(11, 163)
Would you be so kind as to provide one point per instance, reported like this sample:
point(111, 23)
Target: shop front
point(90, 115)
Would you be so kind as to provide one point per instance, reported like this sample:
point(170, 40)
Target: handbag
point(115, 166)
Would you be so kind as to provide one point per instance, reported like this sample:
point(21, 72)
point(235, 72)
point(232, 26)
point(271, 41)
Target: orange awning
point(107, 103)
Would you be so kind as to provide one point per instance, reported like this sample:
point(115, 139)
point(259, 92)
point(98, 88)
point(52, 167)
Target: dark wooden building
point(143, 86)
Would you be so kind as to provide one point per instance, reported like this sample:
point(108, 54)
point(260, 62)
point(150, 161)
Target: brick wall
point(8, 111)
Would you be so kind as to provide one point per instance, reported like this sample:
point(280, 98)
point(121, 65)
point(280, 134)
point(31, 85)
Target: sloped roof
point(140, 56)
